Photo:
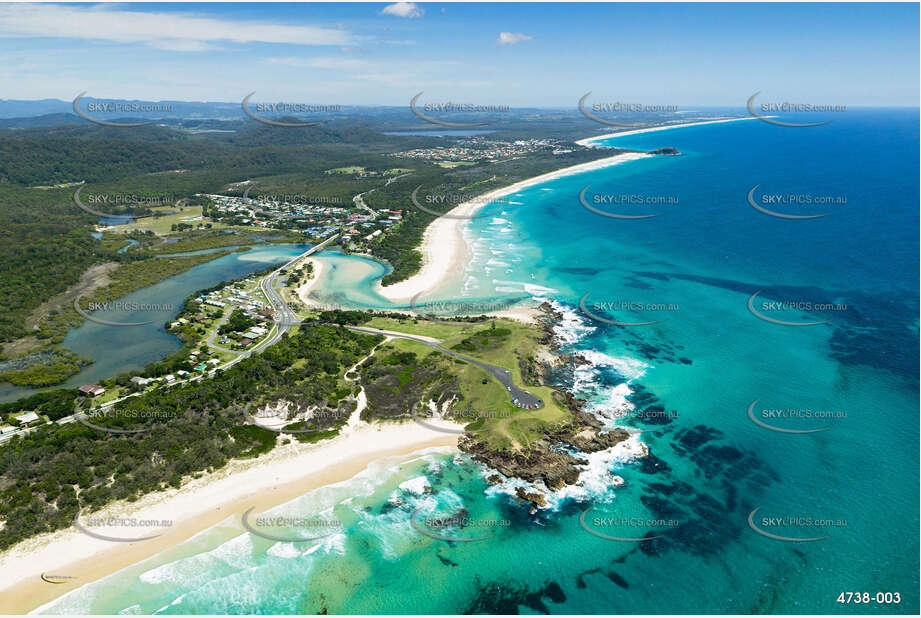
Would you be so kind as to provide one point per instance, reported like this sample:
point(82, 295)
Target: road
point(521, 398)
point(284, 316)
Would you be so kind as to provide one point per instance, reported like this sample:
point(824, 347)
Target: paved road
point(521, 398)
point(285, 318)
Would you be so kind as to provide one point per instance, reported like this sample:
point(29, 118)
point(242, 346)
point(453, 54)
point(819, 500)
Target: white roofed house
point(28, 418)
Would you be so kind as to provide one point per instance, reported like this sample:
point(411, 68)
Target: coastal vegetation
point(40, 221)
point(195, 427)
point(183, 430)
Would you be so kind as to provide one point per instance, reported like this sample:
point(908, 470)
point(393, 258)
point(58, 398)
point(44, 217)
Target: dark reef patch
point(498, 598)
point(876, 329)
point(617, 579)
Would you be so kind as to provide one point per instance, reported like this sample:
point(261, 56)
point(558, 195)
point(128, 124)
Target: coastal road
point(284, 316)
point(285, 320)
point(520, 397)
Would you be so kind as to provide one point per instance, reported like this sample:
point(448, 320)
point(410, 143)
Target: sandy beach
point(588, 140)
point(303, 290)
point(444, 250)
point(287, 472)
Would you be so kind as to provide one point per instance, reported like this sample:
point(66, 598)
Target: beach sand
point(588, 140)
point(303, 291)
point(444, 250)
point(287, 472)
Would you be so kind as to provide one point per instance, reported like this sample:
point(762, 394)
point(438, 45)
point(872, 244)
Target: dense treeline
point(44, 248)
point(48, 474)
point(45, 241)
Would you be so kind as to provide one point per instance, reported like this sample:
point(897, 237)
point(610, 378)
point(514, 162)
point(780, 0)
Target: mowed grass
point(425, 328)
point(163, 225)
point(503, 425)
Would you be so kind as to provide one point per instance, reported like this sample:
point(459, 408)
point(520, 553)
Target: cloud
point(510, 38)
point(409, 10)
point(170, 31)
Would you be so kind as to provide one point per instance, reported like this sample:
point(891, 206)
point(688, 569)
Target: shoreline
point(444, 249)
point(589, 140)
point(285, 473)
point(302, 292)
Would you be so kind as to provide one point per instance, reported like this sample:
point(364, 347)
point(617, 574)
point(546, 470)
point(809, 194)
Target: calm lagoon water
point(117, 349)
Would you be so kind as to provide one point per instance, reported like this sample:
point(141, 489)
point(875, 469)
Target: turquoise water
point(118, 349)
point(688, 380)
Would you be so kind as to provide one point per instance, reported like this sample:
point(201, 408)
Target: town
point(480, 148)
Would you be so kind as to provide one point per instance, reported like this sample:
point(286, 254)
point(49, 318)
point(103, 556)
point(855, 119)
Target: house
point(92, 390)
point(140, 381)
point(27, 418)
point(246, 341)
point(201, 367)
point(169, 378)
point(5, 429)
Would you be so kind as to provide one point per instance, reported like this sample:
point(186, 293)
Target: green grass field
point(163, 225)
point(501, 423)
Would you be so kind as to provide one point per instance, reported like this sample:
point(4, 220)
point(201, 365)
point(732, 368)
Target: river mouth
point(119, 349)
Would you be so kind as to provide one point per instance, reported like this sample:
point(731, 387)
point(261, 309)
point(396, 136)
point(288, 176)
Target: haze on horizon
point(520, 55)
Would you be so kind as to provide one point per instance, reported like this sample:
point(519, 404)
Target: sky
point(520, 55)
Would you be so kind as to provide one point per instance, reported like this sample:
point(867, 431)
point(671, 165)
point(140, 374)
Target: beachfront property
point(93, 390)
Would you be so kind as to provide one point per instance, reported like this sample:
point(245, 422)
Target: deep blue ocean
point(777, 387)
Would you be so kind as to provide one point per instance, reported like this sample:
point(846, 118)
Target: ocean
point(770, 362)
